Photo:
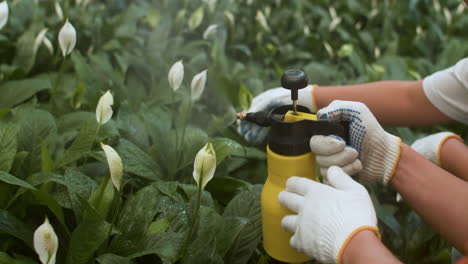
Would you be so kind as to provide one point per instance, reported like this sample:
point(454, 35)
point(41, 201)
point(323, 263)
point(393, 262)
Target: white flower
point(230, 17)
point(261, 19)
point(205, 165)
point(198, 85)
point(39, 39)
point(3, 13)
point(46, 243)
point(58, 10)
point(115, 165)
point(67, 38)
point(209, 30)
point(48, 45)
point(176, 75)
point(104, 108)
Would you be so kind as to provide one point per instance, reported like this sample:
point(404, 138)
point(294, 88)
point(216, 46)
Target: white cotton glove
point(267, 101)
point(430, 146)
point(378, 150)
point(327, 216)
point(332, 151)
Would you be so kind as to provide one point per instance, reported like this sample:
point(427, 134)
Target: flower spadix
point(3, 14)
point(205, 165)
point(67, 38)
point(46, 243)
point(198, 85)
point(104, 108)
point(176, 75)
point(115, 165)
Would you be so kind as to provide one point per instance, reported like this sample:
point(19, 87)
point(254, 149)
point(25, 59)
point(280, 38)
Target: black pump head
point(294, 80)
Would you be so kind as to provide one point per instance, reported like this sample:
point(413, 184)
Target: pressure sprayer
point(288, 154)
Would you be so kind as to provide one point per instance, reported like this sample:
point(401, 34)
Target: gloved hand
point(332, 151)
point(430, 146)
point(267, 101)
point(327, 216)
point(378, 150)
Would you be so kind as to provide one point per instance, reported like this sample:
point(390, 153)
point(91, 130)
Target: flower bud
point(39, 40)
point(67, 38)
point(198, 85)
point(204, 166)
point(104, 108)
point(3, 13)
point(209, 30)
point(46, 243)
point(176, 75)
point(58, 10)
point(115, 165)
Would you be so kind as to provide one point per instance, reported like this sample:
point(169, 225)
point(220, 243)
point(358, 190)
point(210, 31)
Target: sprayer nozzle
point(241, 116)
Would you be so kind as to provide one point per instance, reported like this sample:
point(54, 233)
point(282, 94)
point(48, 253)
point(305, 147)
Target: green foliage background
point(51, 163)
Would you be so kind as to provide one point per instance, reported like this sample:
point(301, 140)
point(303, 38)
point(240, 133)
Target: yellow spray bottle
point(288, 154)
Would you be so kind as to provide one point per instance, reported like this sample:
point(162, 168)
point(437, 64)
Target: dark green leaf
point(136, 161)
point(10, 179)
point(14, 92)
point(113, 259)
point(247, 205)
point(8, 134)
point(13, 226)
point(85, 240)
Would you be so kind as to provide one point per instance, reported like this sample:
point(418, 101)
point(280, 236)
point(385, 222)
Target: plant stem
point(195, 220)
point(114, 217)
point(54, 91)
point(175, 164)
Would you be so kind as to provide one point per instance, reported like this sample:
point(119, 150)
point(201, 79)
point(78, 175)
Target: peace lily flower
point(115, 165)
point(3, 13)
point(205, 165)
point(261, 19)
point(39, 39)
point(49, 45)
point(198, 85)
point(58, 10)
point(67, 38)
point(176, 75)
point(104, 108)
point(46, 243)
point(209, 30)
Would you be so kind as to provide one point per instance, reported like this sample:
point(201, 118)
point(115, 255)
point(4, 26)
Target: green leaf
point(166, 245)
point(232, 227)
point(196, 18)
point(247, 205)
point(85, 240)
point(82, 144)
point(13, 226)
point(136, 161)
point(204, 248)
point(6, 259)
point(101, 199)
point(223, 147)
point(245, 97)
point(47, 162)
point(224, 189)
point(80, 188)
point(135, 217)
point(10, 179)
point(158, 226)
point(15, 92)
point(8, 142)
point(35, 126)
point(47, 200)
point(25, 56)
point(113, 259)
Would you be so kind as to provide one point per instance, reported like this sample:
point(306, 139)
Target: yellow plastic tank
point(280, 168)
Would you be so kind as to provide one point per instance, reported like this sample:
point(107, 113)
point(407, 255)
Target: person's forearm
point(454, 158)
point(392, 102)
point(366, 248)
point(437, 196)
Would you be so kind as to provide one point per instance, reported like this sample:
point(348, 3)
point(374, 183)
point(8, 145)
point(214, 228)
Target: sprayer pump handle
point(294, 80)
